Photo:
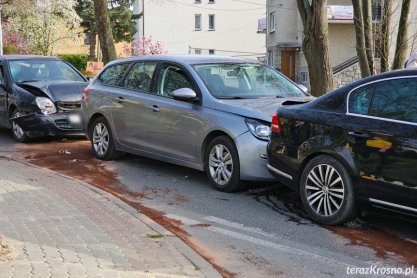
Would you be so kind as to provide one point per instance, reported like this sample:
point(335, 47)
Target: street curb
point(201, 264)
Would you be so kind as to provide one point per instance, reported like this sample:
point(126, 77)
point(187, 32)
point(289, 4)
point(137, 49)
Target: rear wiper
point(27, 81)
point(231, 97)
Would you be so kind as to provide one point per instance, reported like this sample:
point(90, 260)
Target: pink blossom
point(13, 37)
point(143, 46)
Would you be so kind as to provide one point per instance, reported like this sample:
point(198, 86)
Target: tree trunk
point(104, 31)
point(360, 38)
point(385, 35)
point(369, 40)
point(402, 36)
point(316, 45)
point(93, 43)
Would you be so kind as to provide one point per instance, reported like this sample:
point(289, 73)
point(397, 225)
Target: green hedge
point(10, 50)
point(79, 61)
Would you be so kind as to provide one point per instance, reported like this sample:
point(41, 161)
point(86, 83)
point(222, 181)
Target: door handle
point(120, 99)
point(359, 134)
point(155, 108)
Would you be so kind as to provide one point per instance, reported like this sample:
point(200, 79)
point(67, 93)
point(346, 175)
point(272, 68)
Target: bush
point(10, 50)
point(79, 61)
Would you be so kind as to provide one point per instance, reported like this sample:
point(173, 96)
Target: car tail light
point(275, 123)
point(85, 95)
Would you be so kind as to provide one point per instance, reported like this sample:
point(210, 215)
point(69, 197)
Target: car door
point(3, 98)
point(382, 135)
point(174, 126)
point(130, 105)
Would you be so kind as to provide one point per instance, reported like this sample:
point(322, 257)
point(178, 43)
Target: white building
point(223, 27)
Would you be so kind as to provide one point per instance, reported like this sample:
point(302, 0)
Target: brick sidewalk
point(55, 226)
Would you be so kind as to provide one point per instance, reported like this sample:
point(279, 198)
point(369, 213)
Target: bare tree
point(402, 37)
point(385, 35)
point(104, 31)
point(368, 31)
point(316, 44)
point(361, 49)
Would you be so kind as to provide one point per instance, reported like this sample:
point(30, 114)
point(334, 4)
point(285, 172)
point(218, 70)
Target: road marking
point(276, 246)
point(241, 227)
point(279, 247)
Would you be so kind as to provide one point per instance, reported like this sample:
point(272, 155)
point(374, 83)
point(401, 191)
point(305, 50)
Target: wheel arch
point(209, 137)
point(92, 119)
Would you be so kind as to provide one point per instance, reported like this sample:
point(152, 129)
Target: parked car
point(39, 96)
point(351, 148)
point(210, 113)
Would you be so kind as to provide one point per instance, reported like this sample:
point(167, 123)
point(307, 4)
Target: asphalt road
point(260, 232)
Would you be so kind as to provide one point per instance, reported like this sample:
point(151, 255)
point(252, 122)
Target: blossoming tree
point(143, 46)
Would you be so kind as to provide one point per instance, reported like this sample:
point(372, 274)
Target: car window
point(1, 76)
point(227, 80)
point(140, 76)
point(395, 99)
point(32, 70)
point(171, 79)
point(112, 75)
point(360, 100)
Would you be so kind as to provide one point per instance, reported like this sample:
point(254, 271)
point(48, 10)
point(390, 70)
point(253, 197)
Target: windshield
point(42, 70)
point(246, 81)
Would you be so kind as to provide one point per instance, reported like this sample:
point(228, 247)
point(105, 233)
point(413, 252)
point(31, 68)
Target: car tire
point(221, 162)
point(102, 141)
point(18, 134)
point(327, 191)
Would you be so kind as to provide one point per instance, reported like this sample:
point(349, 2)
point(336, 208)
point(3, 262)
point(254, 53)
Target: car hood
point(260, 108)
point(56, 91)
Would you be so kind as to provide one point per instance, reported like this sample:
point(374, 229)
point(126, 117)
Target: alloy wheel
point(101, 139)
point(325, 190)
point(17, 130)
point(220, 164)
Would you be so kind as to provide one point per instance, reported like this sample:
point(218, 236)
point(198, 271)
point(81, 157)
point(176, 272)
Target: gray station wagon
point(209, 113)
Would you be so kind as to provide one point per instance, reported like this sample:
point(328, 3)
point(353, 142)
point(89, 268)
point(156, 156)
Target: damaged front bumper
point(37, 124)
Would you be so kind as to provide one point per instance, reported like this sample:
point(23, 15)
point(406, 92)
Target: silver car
point(209, 113)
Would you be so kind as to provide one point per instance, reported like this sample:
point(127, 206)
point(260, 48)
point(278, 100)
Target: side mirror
point(184, 94)
point(303, 88)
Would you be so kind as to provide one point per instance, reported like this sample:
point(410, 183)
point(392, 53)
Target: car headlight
point(260, 130)
point(46, 105)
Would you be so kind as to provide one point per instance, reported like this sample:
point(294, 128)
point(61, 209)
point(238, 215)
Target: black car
point(40, 96)
point(352, 147)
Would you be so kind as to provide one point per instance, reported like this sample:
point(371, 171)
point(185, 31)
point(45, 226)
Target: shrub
point(79, 61)
point(10, 50)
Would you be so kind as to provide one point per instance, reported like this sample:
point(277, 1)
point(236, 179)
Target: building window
point(271, 22)
point(304, 77)
point(211, 22)
point(197, 51)
point(270, 58)
point(376, 10)
point(197, 22)
point(212, 51)
point(211, 2)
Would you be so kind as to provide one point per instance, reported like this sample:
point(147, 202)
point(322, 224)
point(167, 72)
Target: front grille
point(68, 106)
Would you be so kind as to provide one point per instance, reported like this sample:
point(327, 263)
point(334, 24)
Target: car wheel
point(222, 164)
point(327, 192)
point(102, 140)
point(18, 133)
